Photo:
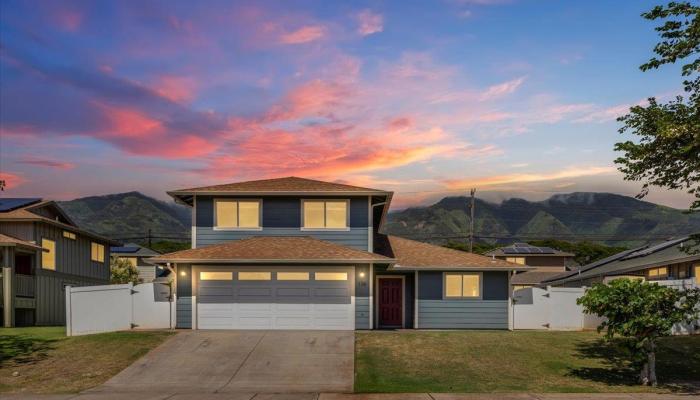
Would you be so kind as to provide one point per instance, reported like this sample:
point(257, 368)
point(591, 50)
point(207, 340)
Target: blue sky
point(515, 98)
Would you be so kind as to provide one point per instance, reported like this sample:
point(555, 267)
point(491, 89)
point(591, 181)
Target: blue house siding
point(362, 297)
point(281, 216)
point(490, 312)
point(183, 305)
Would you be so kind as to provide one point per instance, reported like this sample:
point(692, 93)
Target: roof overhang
point(398, 267)
point(159, 260)
point(185, 196)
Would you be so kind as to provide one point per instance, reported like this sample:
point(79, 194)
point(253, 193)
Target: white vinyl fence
point(109, 308)
point(555, 309)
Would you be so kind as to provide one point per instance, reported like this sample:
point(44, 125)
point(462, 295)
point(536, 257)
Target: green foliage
point(168, 246)
point(122, 272)
point(641, 313)
point(667, 152)
point(479, 248)
point(584, 252)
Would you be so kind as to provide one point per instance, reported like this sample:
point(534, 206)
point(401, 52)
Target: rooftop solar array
point(524, 248)
point(9, 204)
point(124, 249)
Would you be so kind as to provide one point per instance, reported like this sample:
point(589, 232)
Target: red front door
point(390, 298)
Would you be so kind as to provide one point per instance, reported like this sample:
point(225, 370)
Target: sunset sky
point(515, 98)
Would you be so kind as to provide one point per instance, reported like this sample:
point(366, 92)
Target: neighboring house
point(547, 261)
point(136, 255)
point(677, 259)
point(42, 252)
point(295, 253)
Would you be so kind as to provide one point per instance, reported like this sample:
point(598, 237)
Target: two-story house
point(294, 253)
point(547, 262)
point(43, 251)
point(137, 256)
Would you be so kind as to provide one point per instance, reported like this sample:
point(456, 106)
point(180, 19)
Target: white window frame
point(347, 214)
point(231, 199)
point(444, 285)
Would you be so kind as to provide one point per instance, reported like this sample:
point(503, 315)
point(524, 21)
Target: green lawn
point(44, 360)
point(502, 361)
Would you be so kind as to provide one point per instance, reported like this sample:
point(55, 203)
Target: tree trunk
point(644, 376)
point(651, 357)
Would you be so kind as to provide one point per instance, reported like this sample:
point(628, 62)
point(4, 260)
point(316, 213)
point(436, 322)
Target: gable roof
point(641, 258)
point(528, 250)
point(265, 249)
point(32, 211)
point(11, 241)
point(290, 184)
point(414, 255)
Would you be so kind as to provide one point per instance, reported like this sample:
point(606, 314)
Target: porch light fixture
point(362, 274)
point(183, 273)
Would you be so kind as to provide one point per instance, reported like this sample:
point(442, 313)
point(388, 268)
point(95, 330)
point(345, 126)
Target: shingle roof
point(670, 252)
point(7, 240)
point(283, 185)
point(413, 255)
point(25, 214)
point(273, 249)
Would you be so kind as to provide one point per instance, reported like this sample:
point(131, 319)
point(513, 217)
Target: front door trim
point(403, 298)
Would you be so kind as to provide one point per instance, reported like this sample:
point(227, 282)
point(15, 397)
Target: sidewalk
point(340, 396)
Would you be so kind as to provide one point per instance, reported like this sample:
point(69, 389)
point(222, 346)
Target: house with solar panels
point(672, 260)
point(547, 262)
point(137, 256)
point(41, 252)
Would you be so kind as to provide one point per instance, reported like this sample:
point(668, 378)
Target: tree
point(122, 271)
point(667, 153)
point(641, 313)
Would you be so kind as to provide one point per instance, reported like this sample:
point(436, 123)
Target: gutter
point(156, 260)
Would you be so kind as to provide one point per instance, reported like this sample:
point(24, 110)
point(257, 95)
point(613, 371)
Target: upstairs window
point(516, 260)
point(658, 273)
point(236, 214)
point(48, 258)
point(69, 235)
point(97, 252)
point(325, 214)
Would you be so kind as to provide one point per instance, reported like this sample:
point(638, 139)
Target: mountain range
point(601, 217)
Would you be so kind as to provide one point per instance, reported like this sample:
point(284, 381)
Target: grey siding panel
point(20, 230)
point(355, 237)
point(495, 285)
point(183, 286)
point(430, 285)
point(281, 216)
point(73, 256)
point(183, 312)
point(51, 296)
point(361, 312)
point(463, 314)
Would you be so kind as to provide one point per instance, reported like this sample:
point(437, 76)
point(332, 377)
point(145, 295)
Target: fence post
point(69, 312)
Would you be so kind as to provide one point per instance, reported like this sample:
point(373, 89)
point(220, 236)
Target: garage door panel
point(284, 304)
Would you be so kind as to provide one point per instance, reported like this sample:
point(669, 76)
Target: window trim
point(461, 273)
point(347, 215)
point(237, 200)
point(104, 248)
point(55, 250)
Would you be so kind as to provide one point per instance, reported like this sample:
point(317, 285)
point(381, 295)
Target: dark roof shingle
point(289, 184)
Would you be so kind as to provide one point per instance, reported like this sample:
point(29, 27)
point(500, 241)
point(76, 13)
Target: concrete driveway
point(244, 361)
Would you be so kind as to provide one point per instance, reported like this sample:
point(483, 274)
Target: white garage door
point(301, 298)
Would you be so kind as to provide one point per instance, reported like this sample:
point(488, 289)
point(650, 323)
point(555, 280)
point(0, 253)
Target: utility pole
point(149, 238)
point(471, 221)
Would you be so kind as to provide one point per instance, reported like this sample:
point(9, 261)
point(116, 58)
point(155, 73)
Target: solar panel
point(9, 204)
point(124, 249)
point(524, 248)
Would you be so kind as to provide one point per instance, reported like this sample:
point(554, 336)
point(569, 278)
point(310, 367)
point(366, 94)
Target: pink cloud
point(316, 98)
point(47, 163)
point(304, 34)
point(369, 22)
point(12, 180)
point(502, 89)
point(175, 88)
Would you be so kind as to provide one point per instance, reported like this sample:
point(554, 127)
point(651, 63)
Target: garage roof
point(414, 255)
point(264, 249)
point(11, 241)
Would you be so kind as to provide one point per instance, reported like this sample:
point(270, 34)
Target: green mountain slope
point(600, 217)
point(129, 215)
